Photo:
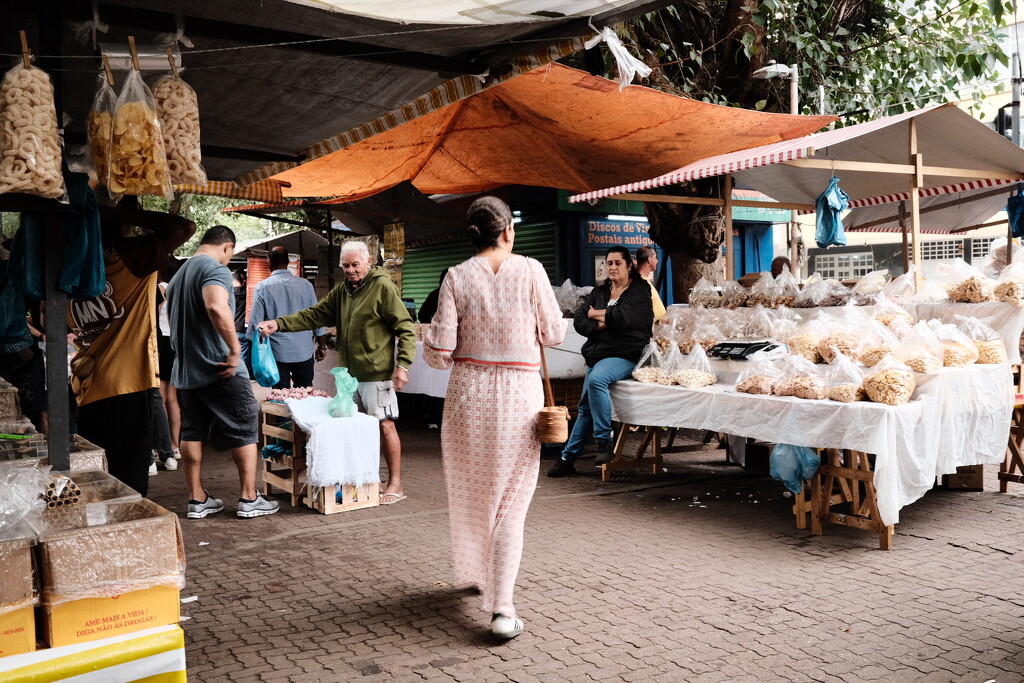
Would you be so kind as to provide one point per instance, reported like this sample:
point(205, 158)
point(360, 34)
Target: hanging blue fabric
point(83, 273)
point(827, 208)
point(1015, 213)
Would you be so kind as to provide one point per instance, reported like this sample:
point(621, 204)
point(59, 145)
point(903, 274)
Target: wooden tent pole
point(903, 229)
point(730, 255)
point(916, 181)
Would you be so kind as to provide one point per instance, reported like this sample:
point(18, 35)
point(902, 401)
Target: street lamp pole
point(794, 226)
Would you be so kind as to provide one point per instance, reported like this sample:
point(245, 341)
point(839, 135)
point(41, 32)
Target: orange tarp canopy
point(551, 127)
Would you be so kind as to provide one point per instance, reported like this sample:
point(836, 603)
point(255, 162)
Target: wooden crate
point(967, 478)
point(326, 499)
point(287, 472)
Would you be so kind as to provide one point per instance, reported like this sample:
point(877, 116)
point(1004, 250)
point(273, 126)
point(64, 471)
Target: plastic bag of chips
point(138, 162)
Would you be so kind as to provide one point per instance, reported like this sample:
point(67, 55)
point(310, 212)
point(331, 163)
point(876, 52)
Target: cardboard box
point(17, 590)
point(86, 455)
point(18, 631)
point(112, 560)
point(967, 478)
point(79, 621)
point(331, 499)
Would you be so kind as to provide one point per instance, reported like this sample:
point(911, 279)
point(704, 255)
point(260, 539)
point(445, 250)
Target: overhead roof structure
point(551, 127)
point(275, 77)
point(940, 160)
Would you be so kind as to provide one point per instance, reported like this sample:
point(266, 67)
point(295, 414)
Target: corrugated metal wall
point(423, 265)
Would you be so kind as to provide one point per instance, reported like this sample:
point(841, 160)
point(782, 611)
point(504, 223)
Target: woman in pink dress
point(493, 311)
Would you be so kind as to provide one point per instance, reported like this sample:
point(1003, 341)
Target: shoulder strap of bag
point(549, 397)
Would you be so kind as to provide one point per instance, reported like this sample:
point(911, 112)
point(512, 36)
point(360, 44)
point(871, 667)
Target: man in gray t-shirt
point(213, 387)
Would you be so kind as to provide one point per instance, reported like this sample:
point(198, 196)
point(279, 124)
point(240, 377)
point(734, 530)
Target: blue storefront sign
point(601, 233)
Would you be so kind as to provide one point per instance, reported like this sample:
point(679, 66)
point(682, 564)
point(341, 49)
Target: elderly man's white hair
point(355, 246)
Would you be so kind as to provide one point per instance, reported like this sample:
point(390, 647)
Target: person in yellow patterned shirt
point(115, 365)
point(647, 265)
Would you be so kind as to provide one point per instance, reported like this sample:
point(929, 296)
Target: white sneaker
point(506, 628)
point(152, 469)
point(170, 464)
point(258, 507)
point(177, 454)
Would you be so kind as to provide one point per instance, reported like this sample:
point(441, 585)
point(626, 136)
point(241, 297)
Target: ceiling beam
point(134, 18)
point(75, 137)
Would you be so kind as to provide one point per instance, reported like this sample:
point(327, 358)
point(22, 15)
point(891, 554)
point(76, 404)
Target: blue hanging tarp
point(827, 209)
point(1015, 213)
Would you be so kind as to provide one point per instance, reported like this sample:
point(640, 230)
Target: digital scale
point(740, 350)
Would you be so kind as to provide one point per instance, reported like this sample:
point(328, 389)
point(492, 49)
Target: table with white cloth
point(564, 362)
point(958, 416)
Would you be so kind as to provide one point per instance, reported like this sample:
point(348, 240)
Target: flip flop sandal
point(392, 498)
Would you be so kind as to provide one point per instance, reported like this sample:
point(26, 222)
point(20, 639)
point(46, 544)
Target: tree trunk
point(686, 270)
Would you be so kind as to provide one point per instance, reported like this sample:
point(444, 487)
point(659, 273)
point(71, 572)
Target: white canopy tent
point(952, 170)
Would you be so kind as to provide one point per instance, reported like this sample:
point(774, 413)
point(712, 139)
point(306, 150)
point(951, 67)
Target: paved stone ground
point(697, 574)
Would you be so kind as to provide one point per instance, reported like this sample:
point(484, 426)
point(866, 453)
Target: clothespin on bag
point(106, 68)
point(134, 52)
point(174, 65)
point(26, 54)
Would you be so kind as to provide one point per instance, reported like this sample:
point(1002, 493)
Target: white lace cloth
point(339, 450)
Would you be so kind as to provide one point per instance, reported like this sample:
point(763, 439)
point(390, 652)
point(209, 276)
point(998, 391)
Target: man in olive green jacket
point(369, 316)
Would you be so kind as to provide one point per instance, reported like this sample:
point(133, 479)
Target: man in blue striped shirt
point(279, 295)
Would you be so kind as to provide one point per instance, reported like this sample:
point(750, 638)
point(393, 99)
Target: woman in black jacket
point(616, 319)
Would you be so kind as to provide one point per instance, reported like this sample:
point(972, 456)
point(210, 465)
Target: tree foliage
point(873, 57)
point(206, 211)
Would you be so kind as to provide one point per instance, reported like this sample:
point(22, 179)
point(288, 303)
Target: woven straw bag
point(552, 420)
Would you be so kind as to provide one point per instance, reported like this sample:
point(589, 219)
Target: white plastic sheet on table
point(959, 416)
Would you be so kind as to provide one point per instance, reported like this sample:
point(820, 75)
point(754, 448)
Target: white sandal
point(506, 628)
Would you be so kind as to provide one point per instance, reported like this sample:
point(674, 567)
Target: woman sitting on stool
point(616, 319)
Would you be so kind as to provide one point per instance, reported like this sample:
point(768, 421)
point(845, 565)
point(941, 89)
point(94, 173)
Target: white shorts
point(377, 399)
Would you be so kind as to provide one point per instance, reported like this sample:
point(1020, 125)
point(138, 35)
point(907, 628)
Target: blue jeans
point(595, 411)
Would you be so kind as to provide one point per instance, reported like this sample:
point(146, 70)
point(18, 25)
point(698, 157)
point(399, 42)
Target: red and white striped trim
point(928, 192)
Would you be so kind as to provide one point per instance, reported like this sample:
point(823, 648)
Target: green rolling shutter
point(423, 265)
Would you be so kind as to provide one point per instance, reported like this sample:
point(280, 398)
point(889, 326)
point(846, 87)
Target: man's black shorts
point(224, 413)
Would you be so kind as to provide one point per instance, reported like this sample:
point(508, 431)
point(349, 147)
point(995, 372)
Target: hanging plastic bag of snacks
point(801, 378)
point(694, 370)
point(138, 162)
point(648, 369)
point(30, 155)
point(760, 374)
point(889, 382)
point(845, 379)
point(991, 348)
point(99, 125)
point(178, 109)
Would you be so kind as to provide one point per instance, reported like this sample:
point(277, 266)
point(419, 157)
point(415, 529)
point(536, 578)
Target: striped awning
point(449, 92)
point(265, 191)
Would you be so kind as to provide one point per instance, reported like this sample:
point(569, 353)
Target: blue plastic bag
point(828, 229)
point(263, 364)
point(1015, 212)
point(793, 465)
point(345, 385)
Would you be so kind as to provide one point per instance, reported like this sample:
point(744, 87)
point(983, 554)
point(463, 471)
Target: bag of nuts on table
point(800, 378)
point(866, 291)
point(786, 290)
point(693, 370)
point(30, 156)
point(648, 369)
point(762, 292)
point(890, 314)
point(970, 286)
point(991, 348)
point(1010, 287)
point(812, 293)
point(734, 295)
point(845, 379)
point(877, 342)
point(889, 382)
point(760, 374)
point(958, 350)
point(805, 339)
point(920, 350)
point(902, 288)
point(704, 294)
